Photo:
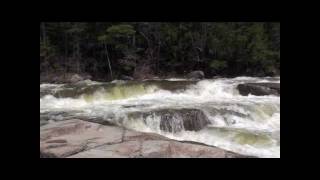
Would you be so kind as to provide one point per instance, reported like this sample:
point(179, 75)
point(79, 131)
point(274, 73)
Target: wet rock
point(195, 75)
point(187, 119)
point(103, 121)
point(43, 122)
point(259, 89)
point(123, 77)
point(126, 88)
point(176, 120)
point(131, 135)
point(75, 78)
point(57, 116)
point(44, 117)
point(83, 83)
point(173, 86)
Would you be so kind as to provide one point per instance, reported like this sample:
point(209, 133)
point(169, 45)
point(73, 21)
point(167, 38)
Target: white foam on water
point(259, 113)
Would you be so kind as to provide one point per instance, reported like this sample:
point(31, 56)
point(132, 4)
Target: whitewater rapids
point(247, 125)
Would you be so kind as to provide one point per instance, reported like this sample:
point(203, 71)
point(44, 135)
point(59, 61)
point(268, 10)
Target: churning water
point(244, 124)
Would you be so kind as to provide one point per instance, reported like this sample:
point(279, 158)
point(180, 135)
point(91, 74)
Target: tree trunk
point(78, 56)
point(66, 45)
point(134, 41)
point(145, 37)
point(158, 57)
point(107, 54)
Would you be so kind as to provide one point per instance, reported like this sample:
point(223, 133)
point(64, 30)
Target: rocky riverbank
point(76, 138)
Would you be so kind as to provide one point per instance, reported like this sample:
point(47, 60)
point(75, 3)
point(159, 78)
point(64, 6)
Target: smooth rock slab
point(72, 136)
point(127, 149)
point(156, 149)
point(81, 139)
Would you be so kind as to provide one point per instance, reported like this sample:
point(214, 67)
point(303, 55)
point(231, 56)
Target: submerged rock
point(259, 89)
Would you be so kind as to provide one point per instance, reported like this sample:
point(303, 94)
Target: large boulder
point(259, 89)
point(195, 75)
point(176, 120)
point(188, 119)
point(76, 78)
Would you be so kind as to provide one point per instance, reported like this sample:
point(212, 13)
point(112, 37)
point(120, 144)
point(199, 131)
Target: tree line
point(108, 50)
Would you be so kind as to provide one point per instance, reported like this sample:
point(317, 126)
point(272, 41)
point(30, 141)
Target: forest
point(109, 50)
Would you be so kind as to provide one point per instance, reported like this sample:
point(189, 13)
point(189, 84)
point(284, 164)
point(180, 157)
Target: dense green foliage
point(108, 50)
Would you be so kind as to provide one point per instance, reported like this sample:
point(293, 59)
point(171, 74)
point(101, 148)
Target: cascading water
point(244, 124)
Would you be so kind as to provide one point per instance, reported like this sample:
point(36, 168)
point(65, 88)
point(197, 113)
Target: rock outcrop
point(76, 78)
point(81, 139)
point(187, 119)
point(195, 75)
point(124, 77)
point(259, 89)
point(64, 78)
point(176, 120)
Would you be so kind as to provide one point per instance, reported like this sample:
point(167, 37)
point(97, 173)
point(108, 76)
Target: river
point(247, 125)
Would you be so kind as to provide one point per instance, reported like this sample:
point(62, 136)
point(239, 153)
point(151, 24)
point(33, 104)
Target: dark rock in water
point(44, 117)
point(43, 122)
point(195, 75)
point(176, 120)
point(134, 106)
point(76, 78)
point(123, 77)
point(103, 121)
point(274, 86)
point(171, 85)
point(259, 89)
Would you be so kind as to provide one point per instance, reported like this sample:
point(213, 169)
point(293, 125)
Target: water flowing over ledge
point(208, 111)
